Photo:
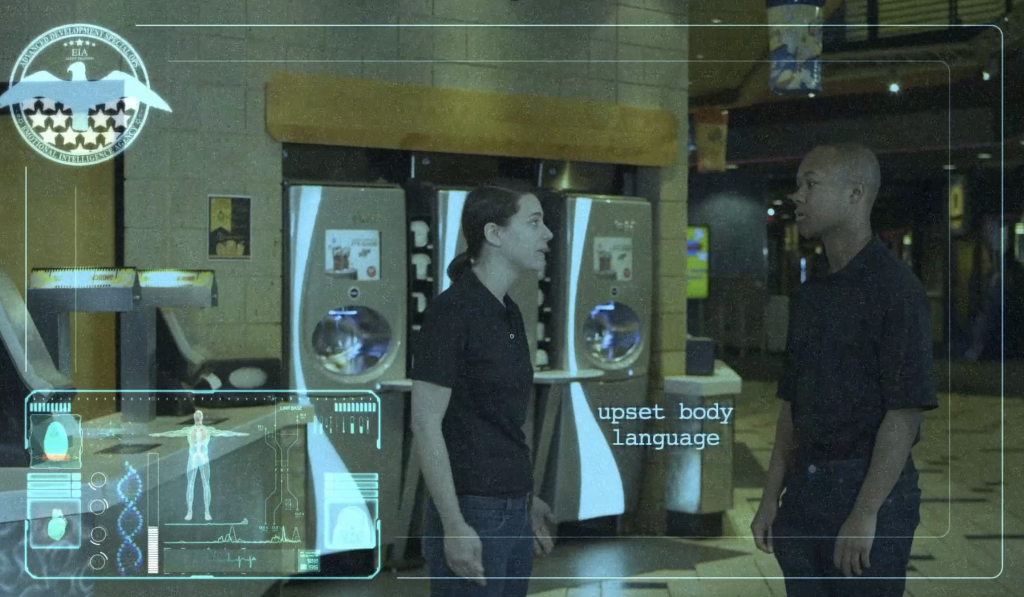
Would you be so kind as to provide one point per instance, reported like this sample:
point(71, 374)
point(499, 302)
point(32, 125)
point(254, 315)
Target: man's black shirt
point(859, 345)
point(476, 346)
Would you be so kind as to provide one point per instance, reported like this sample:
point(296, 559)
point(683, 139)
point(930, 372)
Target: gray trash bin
point(699, 482)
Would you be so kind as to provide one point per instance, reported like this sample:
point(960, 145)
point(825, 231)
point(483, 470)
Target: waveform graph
point(228, 562)
point(249, 548)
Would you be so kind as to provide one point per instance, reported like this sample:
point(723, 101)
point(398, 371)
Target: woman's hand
point(463, 552)
point(540, 517)
point(761, 526)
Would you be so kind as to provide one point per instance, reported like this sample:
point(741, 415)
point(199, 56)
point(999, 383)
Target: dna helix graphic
point(128, 530)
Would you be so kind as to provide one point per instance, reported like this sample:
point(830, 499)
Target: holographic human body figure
point(199, 436)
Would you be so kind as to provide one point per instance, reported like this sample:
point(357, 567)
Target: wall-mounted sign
point(697, 247)
point(230, 227)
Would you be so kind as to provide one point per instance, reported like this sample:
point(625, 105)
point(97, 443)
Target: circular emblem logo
point(80, 94)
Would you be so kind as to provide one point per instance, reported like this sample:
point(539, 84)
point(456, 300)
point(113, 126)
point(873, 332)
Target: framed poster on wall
point(230, 227)
point(697, 246)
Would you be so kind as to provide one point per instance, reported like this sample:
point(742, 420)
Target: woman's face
point(525, 238)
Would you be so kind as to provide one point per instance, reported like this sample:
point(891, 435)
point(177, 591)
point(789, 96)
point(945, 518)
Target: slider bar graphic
point(355, 407)
point(54, 485)
point(43, 407)
point(154, 550)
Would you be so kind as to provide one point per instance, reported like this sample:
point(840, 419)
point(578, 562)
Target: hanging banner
point(711, 128)
point(956, 204)
point(794, 45)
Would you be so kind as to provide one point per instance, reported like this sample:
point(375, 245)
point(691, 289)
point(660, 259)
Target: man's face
point(198, 417)
point(821, 194)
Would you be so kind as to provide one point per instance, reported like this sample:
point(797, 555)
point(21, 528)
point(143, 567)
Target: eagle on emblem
point(80, 94)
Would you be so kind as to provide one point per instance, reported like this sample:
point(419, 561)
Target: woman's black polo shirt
point(476, 346)
point(859, 345)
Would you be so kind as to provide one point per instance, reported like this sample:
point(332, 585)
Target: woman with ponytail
point(472, 375)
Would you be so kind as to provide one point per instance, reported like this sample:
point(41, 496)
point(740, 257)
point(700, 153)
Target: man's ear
point(857, 192)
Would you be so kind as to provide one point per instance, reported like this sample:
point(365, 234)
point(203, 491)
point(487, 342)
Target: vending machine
point(602, 280)
point(346, 330)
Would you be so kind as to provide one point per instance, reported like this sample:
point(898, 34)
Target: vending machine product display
point(347, 323)
point(602, 281)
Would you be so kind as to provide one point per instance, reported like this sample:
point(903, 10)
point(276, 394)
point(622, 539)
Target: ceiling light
point(984, 156)
point(777, 202)
point(716, 21)
point(894, 87)
point(731, 167)
point(949, 167)
point(985, 75)
point(771, 211)
point(810, 94)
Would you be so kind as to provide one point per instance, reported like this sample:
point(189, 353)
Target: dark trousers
point(817, 500)
point(507, 538)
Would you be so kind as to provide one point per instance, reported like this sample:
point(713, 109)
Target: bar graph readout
point(357, 417)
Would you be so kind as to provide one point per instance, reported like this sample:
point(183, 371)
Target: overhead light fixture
point(771, 211)
point(731, 167)
point(985, 75)
point(811, 94)
point(949, 167)
point(894, 87)
point(777, 202)
point(716, 21)
point(984, 156)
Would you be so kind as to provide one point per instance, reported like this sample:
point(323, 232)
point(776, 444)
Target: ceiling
point(729, 67)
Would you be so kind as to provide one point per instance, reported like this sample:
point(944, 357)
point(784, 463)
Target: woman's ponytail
point(459, 265)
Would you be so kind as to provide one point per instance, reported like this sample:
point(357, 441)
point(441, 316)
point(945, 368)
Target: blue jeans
point(507, 538)
point(818, 499)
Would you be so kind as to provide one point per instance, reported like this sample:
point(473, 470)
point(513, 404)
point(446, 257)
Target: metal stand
point(159, 288)
point(25, 368)
point(53, 294)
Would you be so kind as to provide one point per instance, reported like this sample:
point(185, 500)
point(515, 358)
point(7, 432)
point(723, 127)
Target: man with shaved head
point(856, 381)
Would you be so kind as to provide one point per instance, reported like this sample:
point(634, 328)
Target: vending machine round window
point(351, 340)
point(612, 333)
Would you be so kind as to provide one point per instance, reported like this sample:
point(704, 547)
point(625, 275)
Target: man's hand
point(540, 517)
point(761, 526)
point(853, 545)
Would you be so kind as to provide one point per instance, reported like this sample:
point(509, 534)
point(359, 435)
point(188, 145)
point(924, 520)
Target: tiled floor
point(958, 550)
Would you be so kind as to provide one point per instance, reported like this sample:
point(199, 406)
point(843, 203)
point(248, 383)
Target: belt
point(813, 465)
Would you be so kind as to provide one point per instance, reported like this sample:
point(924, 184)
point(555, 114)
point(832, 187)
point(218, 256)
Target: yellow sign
point(956, 204)
point(82, 278)
point(697, 262)
point(175, 278)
